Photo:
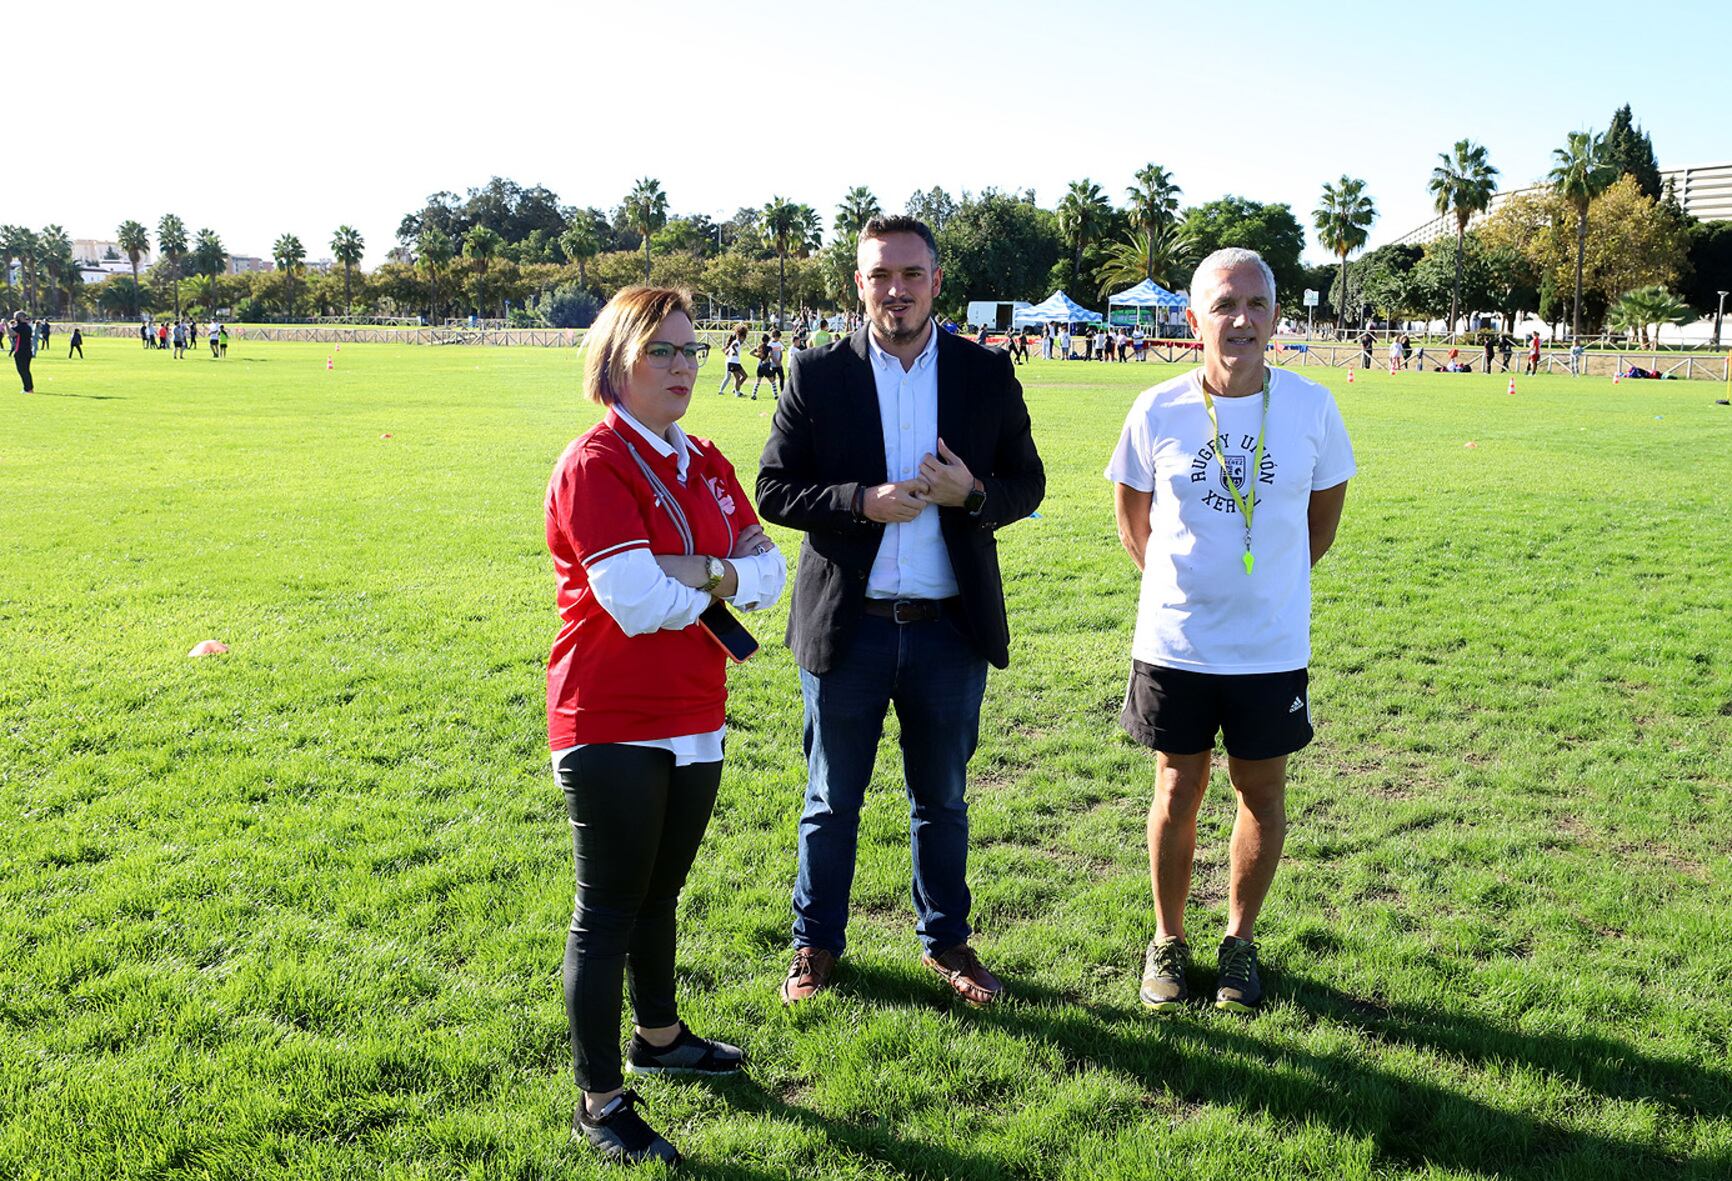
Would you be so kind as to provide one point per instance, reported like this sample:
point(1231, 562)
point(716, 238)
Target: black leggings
point(21, 358)
point(636, 821)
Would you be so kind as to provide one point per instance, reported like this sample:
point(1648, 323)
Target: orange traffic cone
point(1350, 375)
point(328, 364)
point(1512, 386)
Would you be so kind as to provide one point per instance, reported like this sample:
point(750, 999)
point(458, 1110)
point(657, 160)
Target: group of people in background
point(183, 335)
point(1402, 354)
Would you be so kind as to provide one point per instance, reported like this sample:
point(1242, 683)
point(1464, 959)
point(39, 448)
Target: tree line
point(1600, 240)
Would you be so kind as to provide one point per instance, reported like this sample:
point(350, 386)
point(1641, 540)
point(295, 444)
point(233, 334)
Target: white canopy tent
point(1149, 294)
point(1057, 308)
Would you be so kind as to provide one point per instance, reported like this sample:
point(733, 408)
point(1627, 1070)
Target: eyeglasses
point(660, 354)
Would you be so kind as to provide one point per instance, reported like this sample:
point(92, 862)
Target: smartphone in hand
point(729, 632)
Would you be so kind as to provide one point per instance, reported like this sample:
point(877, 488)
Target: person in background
point(776, 351)
point(648, 528)
point(732, 351)
point(77, 344)
point(215, 332)
point(44, 331)
point(21, 344)
point(1534, 354)
point(222, 340)
point(822, 336)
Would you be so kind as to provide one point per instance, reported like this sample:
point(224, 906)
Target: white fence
point(1700, 365)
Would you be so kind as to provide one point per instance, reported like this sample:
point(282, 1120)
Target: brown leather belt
point(907, 610)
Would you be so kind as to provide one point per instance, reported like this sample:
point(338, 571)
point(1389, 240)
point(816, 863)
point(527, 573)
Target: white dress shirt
point(912, 562)
point(641, 598)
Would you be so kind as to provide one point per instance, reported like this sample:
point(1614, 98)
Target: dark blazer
point(827, 440)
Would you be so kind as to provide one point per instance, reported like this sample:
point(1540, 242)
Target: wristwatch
point(976, 498)
point(716, 571)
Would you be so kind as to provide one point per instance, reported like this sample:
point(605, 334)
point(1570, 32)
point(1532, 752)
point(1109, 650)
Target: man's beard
point(913, 326)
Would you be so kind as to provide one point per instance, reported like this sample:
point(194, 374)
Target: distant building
point(1705, 191)
point(319, 266)
point(246, 264)
point(97, 251)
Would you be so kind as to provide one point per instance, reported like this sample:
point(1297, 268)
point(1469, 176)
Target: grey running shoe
point(686, 1054)
point(1164, 989)
point(620, 1134)
point(1238, 988)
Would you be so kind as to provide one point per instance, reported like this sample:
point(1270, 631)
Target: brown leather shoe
point(808, 975)
point(964, 972)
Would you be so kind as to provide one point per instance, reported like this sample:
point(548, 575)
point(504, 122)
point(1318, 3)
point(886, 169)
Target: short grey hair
point(1225, 259)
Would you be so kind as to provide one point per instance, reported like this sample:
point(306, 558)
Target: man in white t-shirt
point(1229, 483)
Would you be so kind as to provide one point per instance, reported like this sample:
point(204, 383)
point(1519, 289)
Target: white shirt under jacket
point(912, 562)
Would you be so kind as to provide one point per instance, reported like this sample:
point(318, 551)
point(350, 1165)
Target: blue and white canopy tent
point(1057, 308)
point(1148, 294)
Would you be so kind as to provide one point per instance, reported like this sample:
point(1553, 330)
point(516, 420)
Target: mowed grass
point(299, 910)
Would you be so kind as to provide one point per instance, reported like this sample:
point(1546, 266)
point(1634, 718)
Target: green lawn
point(298, 910)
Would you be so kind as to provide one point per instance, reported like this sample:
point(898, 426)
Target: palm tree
point(347, 246)
point(435, 249)
point(1463, 185)
point(1154, 199)
point(22, 243)
point(208, 259)
point(646, 208)
point(134, 241)
point(581, 243)
point(1081, 216)
point(858, 207)
point(782, 220)
point(171, 238)
point(289, 254)
point(57, 260)
point(1637, 309)
point(480, 245)
point(1162, 255)
point(1582, 173)
point(1343, 220)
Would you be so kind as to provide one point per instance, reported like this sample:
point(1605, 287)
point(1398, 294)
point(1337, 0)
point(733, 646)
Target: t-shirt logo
point(1235, 469)
point(720, 492)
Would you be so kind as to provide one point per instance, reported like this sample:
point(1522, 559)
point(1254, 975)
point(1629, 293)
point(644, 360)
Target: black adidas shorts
point(1259, 715)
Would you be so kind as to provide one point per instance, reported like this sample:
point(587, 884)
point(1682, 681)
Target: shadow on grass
point(908, 1158)
point(88, 397)
point(1413, 1121)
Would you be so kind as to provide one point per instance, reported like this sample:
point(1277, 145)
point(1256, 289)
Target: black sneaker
point(687, 1054)
point(1238, 988)
point(1164, 989)
point(620, 1134)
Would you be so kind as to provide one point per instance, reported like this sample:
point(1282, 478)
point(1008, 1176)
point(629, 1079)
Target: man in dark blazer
point(899, 451)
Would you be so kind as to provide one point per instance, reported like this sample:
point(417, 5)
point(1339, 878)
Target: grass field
point(298, 910)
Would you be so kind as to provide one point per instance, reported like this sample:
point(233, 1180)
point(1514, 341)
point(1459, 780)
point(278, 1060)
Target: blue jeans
point(936, 679)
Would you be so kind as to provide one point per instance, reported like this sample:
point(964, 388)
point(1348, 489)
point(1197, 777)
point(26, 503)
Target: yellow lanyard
point(1245, 505)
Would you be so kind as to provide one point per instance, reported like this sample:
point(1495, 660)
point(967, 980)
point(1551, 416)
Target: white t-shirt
point(1198, 608)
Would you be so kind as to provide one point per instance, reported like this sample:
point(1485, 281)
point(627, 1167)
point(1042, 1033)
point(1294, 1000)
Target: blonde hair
point(616, 341)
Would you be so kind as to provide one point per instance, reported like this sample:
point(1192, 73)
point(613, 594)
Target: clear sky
point(256, 120)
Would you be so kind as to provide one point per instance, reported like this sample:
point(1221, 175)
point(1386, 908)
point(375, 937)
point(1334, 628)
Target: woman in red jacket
point(648, 527)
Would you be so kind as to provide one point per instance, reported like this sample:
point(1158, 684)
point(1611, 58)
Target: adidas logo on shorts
point(1298, 704)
